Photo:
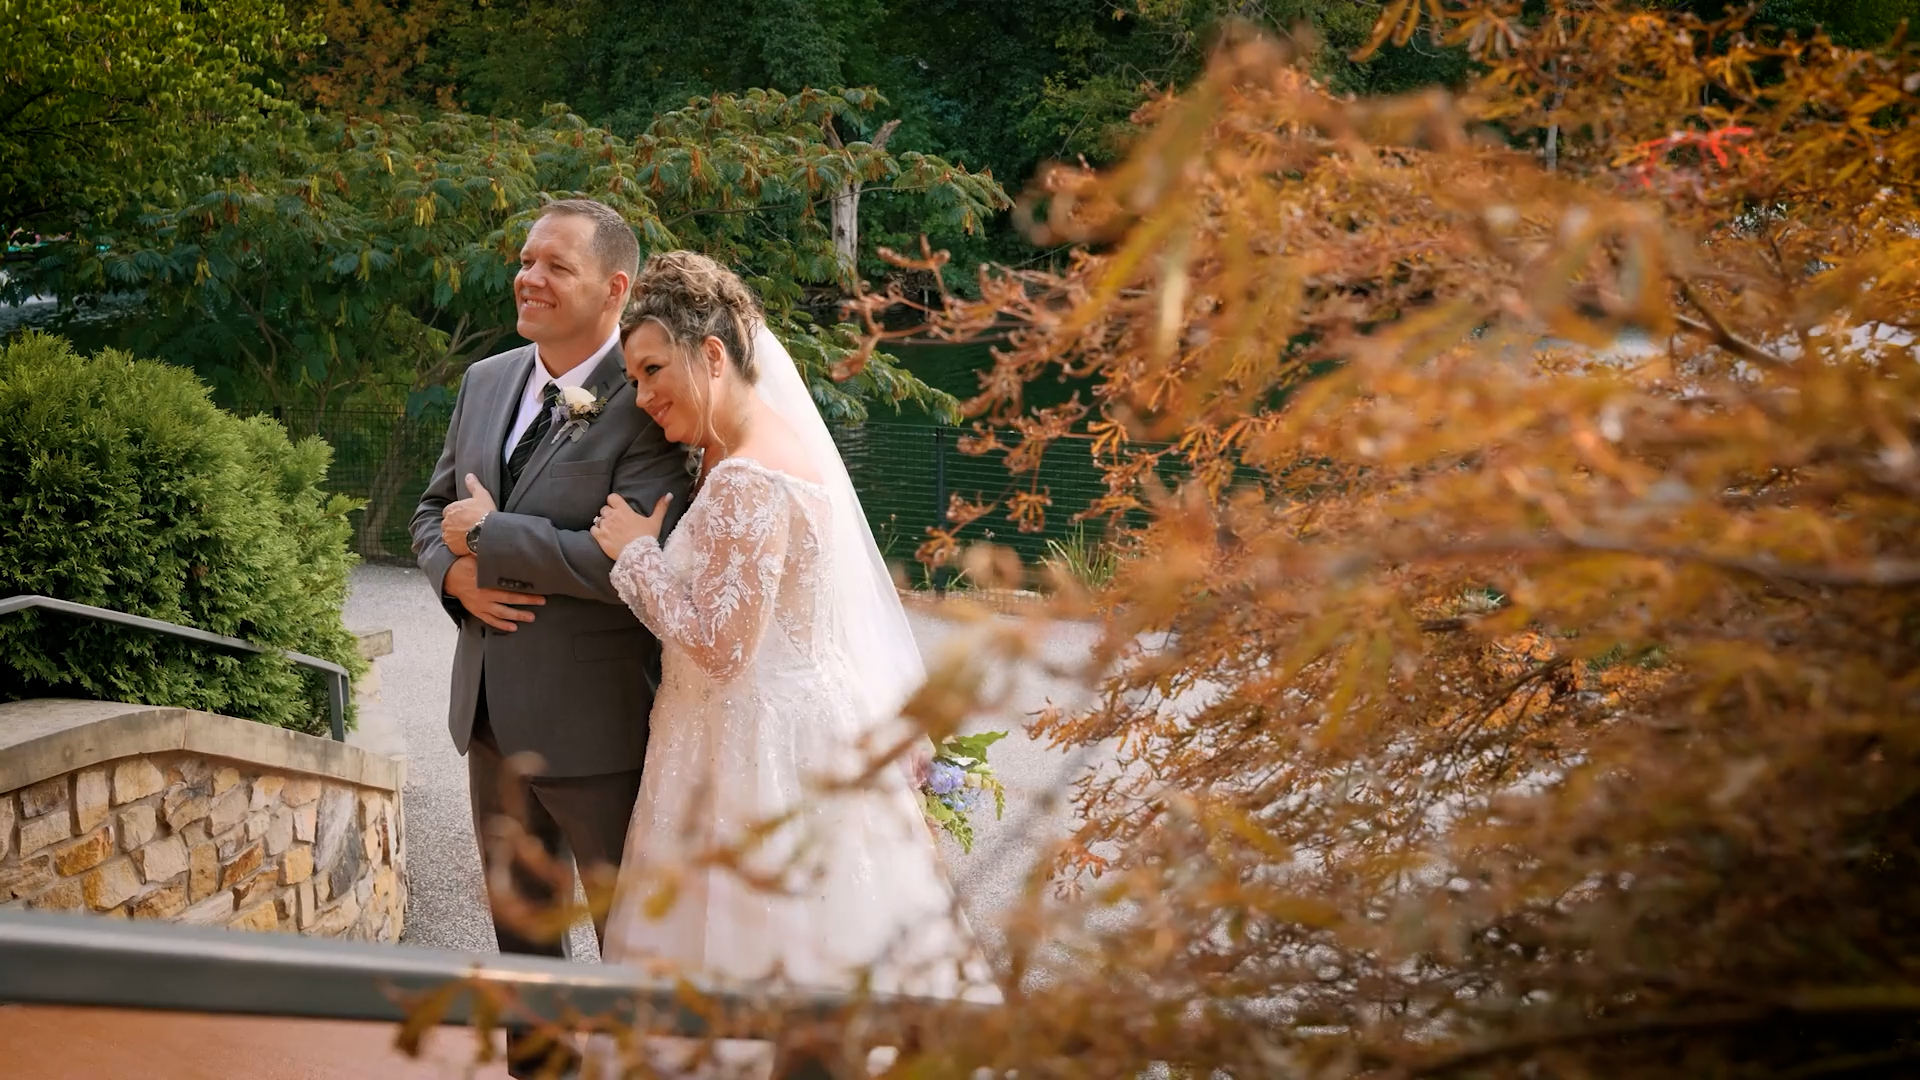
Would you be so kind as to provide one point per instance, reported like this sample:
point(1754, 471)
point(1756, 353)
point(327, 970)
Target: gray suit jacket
point(575, 685)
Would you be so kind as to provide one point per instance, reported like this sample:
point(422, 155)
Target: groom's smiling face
point(561, 291)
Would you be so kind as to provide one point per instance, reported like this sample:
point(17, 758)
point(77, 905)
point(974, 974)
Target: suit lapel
point(607, 372)
point(493, 465)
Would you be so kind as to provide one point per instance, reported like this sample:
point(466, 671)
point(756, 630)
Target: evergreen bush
point(122, 486)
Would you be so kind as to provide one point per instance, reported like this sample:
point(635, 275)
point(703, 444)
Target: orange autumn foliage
point(1515, 665)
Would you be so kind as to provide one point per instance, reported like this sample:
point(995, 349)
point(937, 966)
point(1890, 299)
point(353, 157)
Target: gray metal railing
point(335, 675)
point(56, 959)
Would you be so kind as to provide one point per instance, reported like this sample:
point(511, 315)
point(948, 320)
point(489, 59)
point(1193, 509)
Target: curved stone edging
point(46, 737)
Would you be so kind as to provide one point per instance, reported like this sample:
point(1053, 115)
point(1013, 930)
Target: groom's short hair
point(613, 241)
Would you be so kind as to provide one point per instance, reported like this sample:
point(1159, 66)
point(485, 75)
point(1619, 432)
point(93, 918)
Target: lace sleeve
point(716, 606)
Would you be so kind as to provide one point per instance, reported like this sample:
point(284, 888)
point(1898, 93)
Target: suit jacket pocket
point(596, 467)
point(610, 645)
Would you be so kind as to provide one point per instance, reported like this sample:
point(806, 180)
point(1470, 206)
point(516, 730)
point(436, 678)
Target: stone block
point(305, 907)
point(338, 919)
point(111, 885)
point(369, 808)
point(363, 891)
point(38, 832)
point(346, 871)
point(383, 888)
point(162, 903)
point(297, 866)
point(279, 832)
point(44, 797)
point(321, 891)
point(261, 884)
point(266, 792)
point(203, 871)
point(374, 843)
point(225, 778)
point(304, 819)
point(134, 779)
point(215, 910)
point(258, 917)
point(92, 796)
point(65, 895)
point(195, 833)
point(26, 877)
point(162, 860)
point(256, 824)
point(285, 906)
point(79, 856)
point(300, 790)
point(7, 819)
point(240, 866)
point(182, 806)
point(193, 772)
point(138, 824)
point(230, 842)
point(228, 810)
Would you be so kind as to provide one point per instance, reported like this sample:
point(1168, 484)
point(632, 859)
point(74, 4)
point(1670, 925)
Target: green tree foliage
point(122, 486)
point(328, 263)
point(346, 271)
point(1860, 24)
point(1000, 86)
point(94, 97)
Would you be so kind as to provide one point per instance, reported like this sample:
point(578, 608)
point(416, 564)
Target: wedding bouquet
point(959, 782)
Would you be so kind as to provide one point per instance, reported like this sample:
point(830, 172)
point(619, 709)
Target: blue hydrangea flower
point(946, 779)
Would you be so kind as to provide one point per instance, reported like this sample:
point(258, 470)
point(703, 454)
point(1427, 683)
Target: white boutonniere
point(577, 408)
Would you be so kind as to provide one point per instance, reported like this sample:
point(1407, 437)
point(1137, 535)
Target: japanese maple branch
point(1715, 329)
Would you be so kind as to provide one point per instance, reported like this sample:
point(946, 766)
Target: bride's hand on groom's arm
point(490, 606)
point(619, 525)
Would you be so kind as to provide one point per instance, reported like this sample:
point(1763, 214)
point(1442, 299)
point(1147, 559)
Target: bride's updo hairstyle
point(694, 298)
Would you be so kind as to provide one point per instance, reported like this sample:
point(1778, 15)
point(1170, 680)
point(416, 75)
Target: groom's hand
point(490, 606)
point(461, 516)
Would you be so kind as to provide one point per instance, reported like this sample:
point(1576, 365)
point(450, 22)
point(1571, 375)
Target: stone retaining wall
point(134, 812)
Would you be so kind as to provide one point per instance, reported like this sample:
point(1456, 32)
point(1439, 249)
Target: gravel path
point(445, 906)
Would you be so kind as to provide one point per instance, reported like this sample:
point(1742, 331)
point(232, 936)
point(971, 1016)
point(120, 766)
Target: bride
point(786, 659)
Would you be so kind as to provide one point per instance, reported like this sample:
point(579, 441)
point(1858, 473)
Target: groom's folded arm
point(429, 549)
point(528, 553)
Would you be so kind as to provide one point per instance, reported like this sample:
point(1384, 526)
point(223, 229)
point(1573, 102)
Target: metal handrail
point(336, 676)
point(48, 958)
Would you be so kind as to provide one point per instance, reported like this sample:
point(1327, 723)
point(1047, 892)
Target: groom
point(549, 661)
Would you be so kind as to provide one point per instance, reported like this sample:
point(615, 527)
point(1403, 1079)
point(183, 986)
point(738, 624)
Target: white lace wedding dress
point(755, 713)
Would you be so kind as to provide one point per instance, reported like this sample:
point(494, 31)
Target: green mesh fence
point(905, 473)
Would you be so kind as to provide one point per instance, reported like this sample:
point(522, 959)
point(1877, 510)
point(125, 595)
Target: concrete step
point(376, 730)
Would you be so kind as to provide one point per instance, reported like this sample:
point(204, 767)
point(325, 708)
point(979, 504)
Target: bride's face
point(677, 392)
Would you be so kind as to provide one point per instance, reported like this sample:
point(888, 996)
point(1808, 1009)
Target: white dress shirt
point(537, 383)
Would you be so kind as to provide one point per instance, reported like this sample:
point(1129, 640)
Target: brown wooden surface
point(48, 1043)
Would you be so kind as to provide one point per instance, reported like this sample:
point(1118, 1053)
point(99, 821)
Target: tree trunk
point(369, 539)
point(846, 210)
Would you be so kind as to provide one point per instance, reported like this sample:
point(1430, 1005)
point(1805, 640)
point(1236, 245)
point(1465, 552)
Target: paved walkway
point(446, 908)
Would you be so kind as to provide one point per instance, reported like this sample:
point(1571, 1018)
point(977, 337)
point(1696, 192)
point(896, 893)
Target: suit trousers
point(586, 816)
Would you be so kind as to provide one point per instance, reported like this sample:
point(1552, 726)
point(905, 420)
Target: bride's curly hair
point(694, 298)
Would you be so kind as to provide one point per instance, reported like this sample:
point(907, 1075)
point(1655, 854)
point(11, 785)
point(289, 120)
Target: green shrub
point(122, 486)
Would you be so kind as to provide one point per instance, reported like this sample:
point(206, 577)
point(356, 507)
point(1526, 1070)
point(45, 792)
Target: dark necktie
point(530, 439)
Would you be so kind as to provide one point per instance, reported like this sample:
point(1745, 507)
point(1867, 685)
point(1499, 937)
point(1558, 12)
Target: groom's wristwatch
point(473, 535)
